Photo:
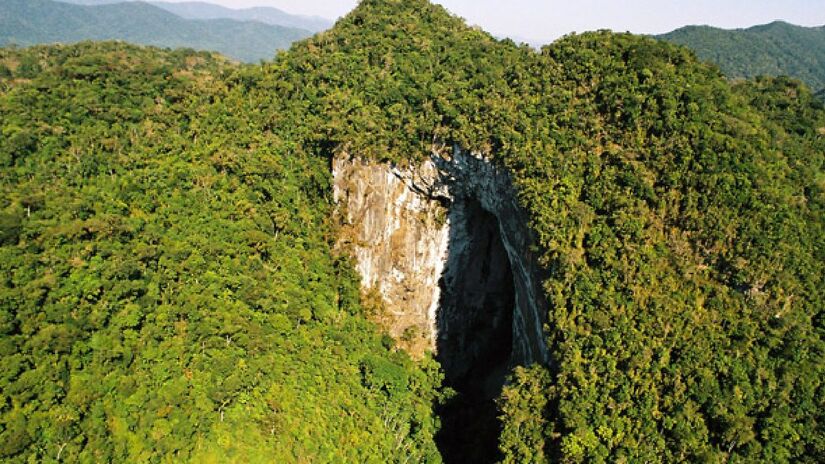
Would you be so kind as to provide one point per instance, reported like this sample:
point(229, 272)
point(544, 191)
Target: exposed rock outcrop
point(447, 246)
point(399, 235)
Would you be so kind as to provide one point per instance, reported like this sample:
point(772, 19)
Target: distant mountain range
point(203, 10)
point(253, 34)
point(772, 49)
point(29, 22)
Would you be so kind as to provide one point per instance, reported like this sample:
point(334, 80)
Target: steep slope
point(676, 218)
point(204, 10)
point(776, 49)
point(28, 22)
point(167, 291)
point(679, 222)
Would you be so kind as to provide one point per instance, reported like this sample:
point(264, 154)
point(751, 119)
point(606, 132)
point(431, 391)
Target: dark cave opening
point(475, 338)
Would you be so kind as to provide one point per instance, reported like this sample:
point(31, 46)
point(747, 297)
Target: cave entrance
point(475, 334)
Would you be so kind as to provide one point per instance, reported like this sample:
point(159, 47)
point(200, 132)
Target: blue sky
point(546, 20)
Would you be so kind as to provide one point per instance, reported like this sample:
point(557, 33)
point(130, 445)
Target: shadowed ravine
point(447, 244)
point(475, 338)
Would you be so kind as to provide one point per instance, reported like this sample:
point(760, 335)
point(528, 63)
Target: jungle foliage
point(169, 290)
point(775, 49)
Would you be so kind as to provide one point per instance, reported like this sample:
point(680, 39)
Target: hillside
point(267, 15)
point(775, 49)
point(30, 22)
point(203, 10)
point(166, 286)
point(175, 282)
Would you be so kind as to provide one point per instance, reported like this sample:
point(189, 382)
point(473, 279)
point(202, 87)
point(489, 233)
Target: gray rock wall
point(411, 232)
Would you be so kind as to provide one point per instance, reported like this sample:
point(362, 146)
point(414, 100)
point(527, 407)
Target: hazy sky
point(545, 20)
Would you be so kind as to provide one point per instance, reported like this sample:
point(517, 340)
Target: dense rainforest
point(168, 293)
point(170, 289)
point(775, 49)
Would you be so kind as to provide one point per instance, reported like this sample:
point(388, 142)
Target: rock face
point(399, 236)
point(447, 247)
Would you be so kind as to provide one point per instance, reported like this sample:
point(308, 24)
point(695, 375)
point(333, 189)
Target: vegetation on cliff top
point(168, 288)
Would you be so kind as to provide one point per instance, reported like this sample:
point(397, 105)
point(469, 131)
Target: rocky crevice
point(411, 229)
point(478, 189)
point(447, 248)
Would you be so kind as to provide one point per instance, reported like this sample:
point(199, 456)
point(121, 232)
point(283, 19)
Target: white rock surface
point(408, 229)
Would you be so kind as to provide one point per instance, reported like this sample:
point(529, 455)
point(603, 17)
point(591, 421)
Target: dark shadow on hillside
point(475, 341)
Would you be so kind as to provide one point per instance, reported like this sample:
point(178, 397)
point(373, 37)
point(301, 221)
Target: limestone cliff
point(446, 245)
point(399, 236)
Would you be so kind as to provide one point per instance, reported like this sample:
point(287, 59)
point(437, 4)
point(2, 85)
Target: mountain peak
point(397, 26)
point(773, 49)
point(399, 11)
point(773, 26)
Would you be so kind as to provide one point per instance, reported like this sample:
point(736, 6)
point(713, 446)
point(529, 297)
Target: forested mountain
point(776, 49)
point(170, 288)
point(167, 292)
point(203, 10)
point(29, 22)
point(268, 15)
